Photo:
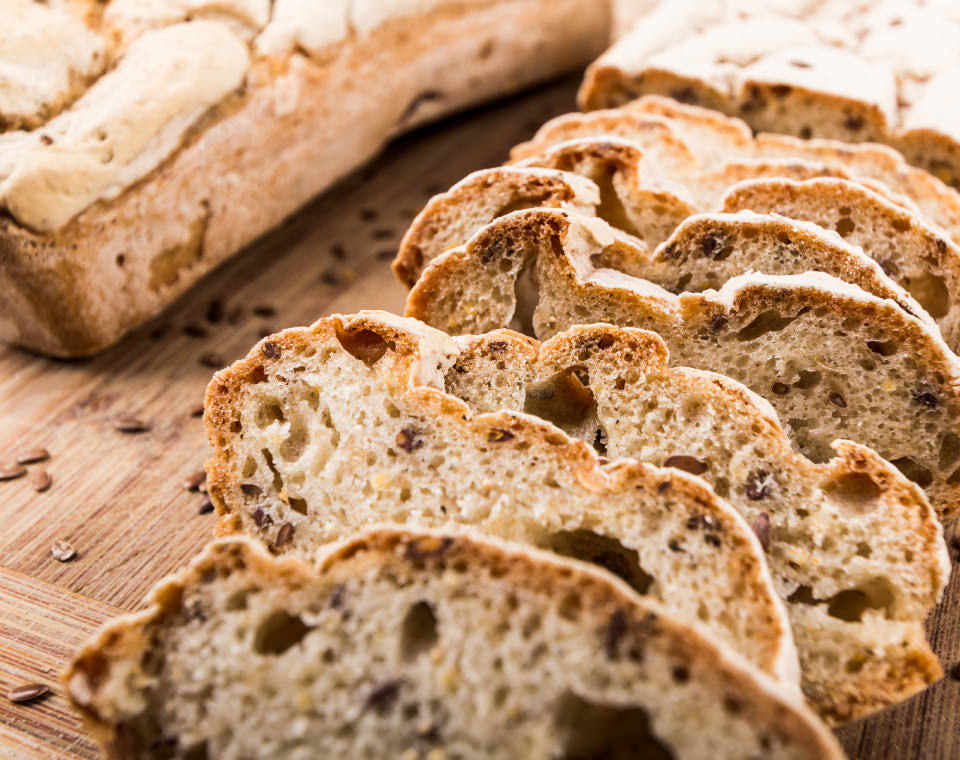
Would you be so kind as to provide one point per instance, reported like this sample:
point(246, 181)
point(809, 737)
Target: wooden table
point(119, 497)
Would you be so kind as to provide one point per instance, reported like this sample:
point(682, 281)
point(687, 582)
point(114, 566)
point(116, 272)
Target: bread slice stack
point(740, 430)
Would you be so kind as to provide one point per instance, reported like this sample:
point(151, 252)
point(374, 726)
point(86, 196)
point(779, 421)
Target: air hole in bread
point(594, 730)
point(767, 322)
point(249, 467)
point(526, 291)
point(366, 345)
point(522, 203)
point(237, 601)
point(850, 605)
point(883, 347)
point(567, 401)
point(278, 632)
point(296, 441)
point(419, 631)
point(931, 292)
point(611, 209)
point(606, 552)
point(269, 412)
point(854, 492)
point(807, 379)
point(949, 450)
point(845, 226)
point(914, 471)
point(277, 480)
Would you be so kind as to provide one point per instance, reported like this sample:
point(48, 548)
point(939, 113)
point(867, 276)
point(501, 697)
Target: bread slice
point(452, 217)
point(324, 430)
point(835, 361)
point(711, 136)
point(854, 547)
point(920, 257)
point(403, 643)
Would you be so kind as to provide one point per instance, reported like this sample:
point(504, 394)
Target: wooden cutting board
point(119, 498)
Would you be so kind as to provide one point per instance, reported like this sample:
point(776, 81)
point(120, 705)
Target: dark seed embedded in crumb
point(206, 506)
point(686, 463)
point(409, 439)
point(664, 486)
point(926, 398)
point(781, 388)
point(195, 330)
point(764, 530)
point(28, 692)
point(46, 139)
point(759, 485)
point(271, 350)
point(12, 471)
point(261, 518)
point(498, 435)
point(251, 489)
point(214, 313)
point(31, 456)
point(127, 424)
point(837, 400)
point(63, 551)
point(197, 411)
point(382, 699)
point(718, 322)
point(284, 534)
point(264, 310)
point(41, 481)
point(616, 629)
point(211, 359)
point(192, 482)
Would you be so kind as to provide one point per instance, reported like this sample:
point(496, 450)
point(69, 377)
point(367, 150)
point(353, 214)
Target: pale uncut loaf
point(321, 431)
point(401, 643)
point(833, 360)
point(846, 70)
point(144, 181)
point(854, 548)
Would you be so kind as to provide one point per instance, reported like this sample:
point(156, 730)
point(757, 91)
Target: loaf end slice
point(403, 641)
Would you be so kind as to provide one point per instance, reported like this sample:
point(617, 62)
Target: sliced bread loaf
point(405, 644)
point(854, 547)
point(323, 430)
point(835, 361)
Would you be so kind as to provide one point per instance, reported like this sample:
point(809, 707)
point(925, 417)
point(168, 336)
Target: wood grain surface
point(119, 498)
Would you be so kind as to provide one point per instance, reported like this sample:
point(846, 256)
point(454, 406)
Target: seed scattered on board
point(12, 471)
point(197, 411)
point(32, 456)
point(28, 692)
point(211, 359)
point(206, 506)
point(192, 482)
point(63, 551)
point(126, 424)
point(41, 481)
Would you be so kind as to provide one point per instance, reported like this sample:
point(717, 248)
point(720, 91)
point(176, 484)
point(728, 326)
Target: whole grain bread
point(254, 108)
point(324, 430)
point(636, 196)
point(833, 360)
point(401, 643)
point(855, 549)
point(850, 71)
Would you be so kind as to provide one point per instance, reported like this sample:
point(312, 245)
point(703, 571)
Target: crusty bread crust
point(408, 369)
point(102, 684)
point(299, 125)
point(651, 411)
point(571, 291)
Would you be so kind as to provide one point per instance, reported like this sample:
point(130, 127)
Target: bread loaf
point(401, 643)
point(854, 547)
point(325, 430)
point(833, 360)
point(882, 72)
point(146, 143)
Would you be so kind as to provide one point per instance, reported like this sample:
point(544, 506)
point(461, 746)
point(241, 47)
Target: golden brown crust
point(77, 291)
